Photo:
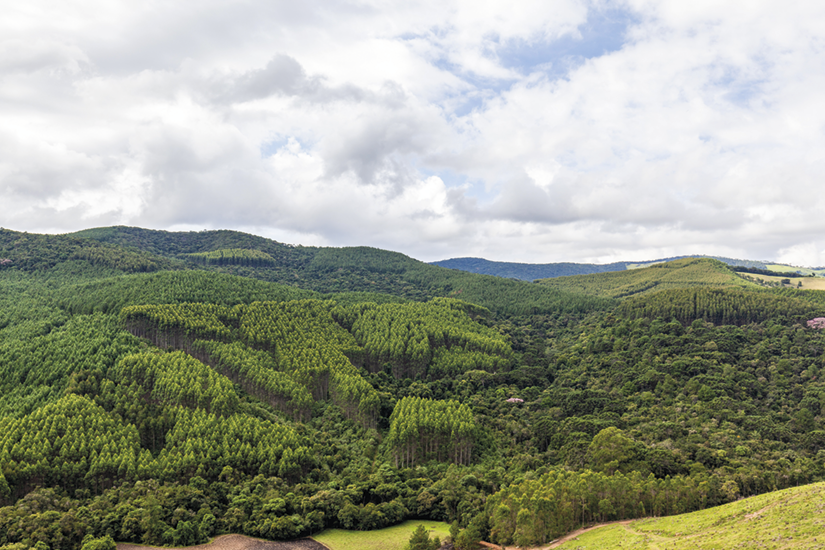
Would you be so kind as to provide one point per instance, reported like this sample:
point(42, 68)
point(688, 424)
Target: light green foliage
point(299, 345)
point(178, 379)
point(610, 449)
point(424, 429)
point(688, 272)
point(35, 368)
point(102, 543)
point(785, 519)
point(438, 338)
point(312, 348)
point(676, 413)
point(205, 444)
point(536, 511)
point(257, 372)
point(176, 325)
point(63, 442)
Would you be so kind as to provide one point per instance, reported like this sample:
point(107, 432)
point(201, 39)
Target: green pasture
point(789, 519)
point(391, 538)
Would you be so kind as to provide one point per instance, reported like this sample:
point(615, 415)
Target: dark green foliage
point(721, 306)
point(354, 269)
point(32, 252)
point(420, 540)
point(527, 272)
point(233, 256)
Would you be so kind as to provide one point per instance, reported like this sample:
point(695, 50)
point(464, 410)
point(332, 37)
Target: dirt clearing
point(239, 542)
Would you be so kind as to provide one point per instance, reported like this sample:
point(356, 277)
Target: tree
point(420, 540)
point(609, 449)
point(102, 543)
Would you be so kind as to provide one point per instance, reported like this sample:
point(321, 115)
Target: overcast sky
point(535, 131)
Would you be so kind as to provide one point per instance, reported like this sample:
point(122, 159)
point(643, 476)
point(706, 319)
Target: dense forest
point(166, 387)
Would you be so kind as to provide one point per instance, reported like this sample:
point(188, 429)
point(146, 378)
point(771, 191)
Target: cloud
point(547, 131)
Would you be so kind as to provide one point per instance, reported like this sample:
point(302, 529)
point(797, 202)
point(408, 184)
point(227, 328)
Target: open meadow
point(391, 538)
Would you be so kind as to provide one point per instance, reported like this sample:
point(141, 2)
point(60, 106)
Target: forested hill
point(527, 272)
point(327, 270)
point(163, 388)
point(532, 272)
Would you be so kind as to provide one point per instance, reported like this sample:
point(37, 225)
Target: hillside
point(153, 393)
point(785, 519)
point(687, 272)
point(360, 269)
point(527, 272)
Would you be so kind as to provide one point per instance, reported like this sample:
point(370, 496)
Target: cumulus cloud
point(572, 130)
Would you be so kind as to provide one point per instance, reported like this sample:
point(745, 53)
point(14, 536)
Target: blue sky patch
point(603, 32)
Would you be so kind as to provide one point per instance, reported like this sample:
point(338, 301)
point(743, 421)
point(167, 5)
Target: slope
point(783, 519)
point(348, 269)
point(687, 272)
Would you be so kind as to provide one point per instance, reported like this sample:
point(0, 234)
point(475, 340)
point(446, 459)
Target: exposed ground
point(239, 542)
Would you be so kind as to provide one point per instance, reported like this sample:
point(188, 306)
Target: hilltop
point(687, 272)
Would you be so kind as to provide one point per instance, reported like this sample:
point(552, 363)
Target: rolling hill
point(687, 272)
point(163, 388)
point(532, 272)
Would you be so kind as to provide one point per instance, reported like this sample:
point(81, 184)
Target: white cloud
point(701, 131)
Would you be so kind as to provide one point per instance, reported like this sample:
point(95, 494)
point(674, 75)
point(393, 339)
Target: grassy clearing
point(808, 283)
point(391, 538)
point(789, 519)
point(791, 269)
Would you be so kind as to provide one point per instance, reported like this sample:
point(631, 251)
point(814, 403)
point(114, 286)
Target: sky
point(532, 131)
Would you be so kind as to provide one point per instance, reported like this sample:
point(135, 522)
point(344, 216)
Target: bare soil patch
point(239, 542)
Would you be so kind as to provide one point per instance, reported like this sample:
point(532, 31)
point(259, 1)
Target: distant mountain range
point(531, 272)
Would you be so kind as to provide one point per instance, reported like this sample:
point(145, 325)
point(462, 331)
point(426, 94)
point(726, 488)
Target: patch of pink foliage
point(5, 261)
point(515, 400)
point(818, 322)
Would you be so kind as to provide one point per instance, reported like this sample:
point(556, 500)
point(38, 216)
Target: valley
point(166, 388)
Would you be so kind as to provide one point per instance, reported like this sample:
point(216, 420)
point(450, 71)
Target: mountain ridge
point(532, 272)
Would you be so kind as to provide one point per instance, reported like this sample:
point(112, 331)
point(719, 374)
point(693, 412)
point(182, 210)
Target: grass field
point(789, 519)
point(808, 283)
point(391, 538)
point(804, 270)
